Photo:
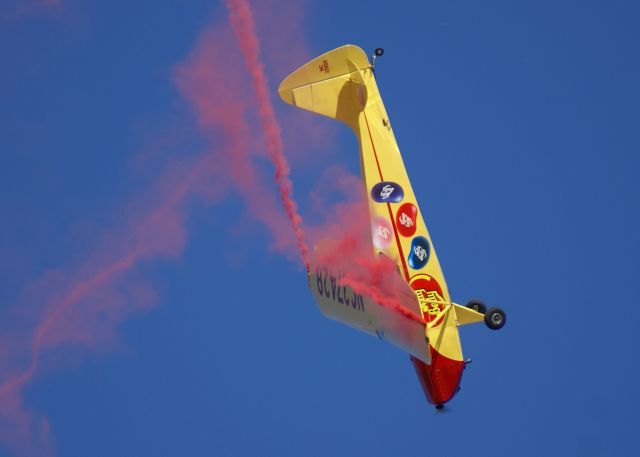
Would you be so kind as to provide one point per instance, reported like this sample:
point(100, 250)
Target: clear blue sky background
point(519, 124)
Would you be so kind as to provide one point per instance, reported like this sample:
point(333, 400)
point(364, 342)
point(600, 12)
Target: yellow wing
point(341, 84)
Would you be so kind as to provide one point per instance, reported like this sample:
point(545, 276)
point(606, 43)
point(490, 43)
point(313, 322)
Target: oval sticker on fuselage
point(387, 192)
point(406, 219)
point(381, 232)
point(419, 254)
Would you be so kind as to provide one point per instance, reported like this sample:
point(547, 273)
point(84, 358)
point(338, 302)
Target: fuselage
point(341, 84)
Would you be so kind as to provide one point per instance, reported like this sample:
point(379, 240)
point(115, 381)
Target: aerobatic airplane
point(341, 84)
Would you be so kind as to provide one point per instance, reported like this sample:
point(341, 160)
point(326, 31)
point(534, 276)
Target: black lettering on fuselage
point(329, 286)
point(319, 281)
point(333, 287)
point(324, 284)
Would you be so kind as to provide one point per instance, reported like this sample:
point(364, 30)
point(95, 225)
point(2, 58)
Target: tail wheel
point(477, 306)
point(495, 318)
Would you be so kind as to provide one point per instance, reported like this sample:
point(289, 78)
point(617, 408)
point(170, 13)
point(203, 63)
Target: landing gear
point(439, 407)
point(477, 306)
point(495, 318)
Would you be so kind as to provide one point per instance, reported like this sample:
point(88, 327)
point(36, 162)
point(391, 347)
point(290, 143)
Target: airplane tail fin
point(331, 85)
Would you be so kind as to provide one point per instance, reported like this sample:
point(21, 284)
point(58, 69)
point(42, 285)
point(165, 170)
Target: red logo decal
point(324, 66)
point(406, 218)
point(429, 295)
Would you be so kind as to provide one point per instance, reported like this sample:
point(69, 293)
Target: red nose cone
point(441, 379)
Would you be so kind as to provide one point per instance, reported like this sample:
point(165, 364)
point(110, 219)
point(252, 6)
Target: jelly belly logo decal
point(419, 252)
point(406, 219)
point(381, 232)
point(429, 295)
point(387, 192)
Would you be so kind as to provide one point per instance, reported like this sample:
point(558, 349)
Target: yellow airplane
point(341, 84)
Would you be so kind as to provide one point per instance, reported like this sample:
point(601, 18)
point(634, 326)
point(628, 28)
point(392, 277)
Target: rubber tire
point(478, 306)
point(495, 318)
point(378, 52)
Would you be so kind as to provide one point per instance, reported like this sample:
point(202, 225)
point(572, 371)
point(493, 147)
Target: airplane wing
point(341, 84)
point(341, 303)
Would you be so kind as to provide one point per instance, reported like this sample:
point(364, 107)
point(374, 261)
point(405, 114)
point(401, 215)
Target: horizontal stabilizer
point(338, 62)
point(466, 315)
point(331, 85)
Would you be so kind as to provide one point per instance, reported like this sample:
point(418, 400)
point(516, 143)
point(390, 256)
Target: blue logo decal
point(387, 192)
point(420, 251)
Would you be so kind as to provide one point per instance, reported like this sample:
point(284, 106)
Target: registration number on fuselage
point(329, 285)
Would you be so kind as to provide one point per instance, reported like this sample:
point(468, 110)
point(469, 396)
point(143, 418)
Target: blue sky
point(518, 123)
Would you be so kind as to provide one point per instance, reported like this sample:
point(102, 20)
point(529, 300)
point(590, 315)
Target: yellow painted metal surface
point(341, 84)
point(466, 315)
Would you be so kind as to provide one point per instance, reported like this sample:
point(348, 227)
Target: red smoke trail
point(156, 219)
point(218, 96)
point(373, 273)
point(86, 313)
point(244, 27)
point(82, 307)
point(344, 245)
point(377, 291)
point(73, 297)
point(21, 9)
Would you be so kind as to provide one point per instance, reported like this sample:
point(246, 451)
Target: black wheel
point(495, 318)
point(478, 306)
point(379, 51)
point(439, 407)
